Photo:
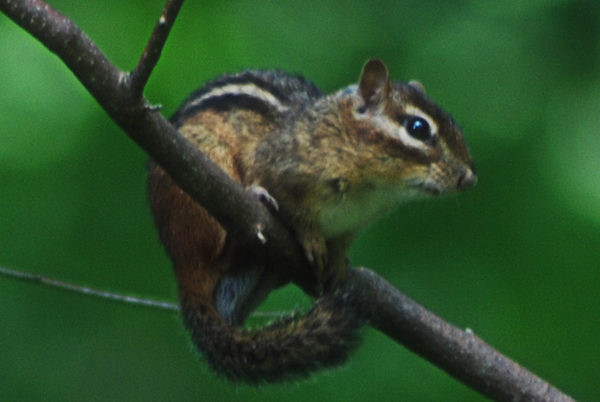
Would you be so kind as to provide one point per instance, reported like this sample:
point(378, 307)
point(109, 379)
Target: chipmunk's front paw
point(315, 250)
point(261, 194)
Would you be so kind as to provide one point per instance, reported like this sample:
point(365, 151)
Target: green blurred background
point(515, 259)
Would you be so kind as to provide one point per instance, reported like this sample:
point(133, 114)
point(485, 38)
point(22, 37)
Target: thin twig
point(140, 75)
point(54, 283)
point(103, 294)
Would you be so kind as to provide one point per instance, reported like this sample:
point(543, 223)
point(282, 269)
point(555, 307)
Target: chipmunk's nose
point(467, 179)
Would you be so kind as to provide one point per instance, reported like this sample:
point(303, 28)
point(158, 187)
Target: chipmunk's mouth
point(429, 187)
point(439, 184)
point(432, 189)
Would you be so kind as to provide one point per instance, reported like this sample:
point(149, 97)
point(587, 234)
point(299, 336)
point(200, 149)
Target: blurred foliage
point(515, 259)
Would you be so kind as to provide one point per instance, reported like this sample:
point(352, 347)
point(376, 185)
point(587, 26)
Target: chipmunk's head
point(423, 147)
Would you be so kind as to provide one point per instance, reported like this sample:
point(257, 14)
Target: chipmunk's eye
point(417, 127)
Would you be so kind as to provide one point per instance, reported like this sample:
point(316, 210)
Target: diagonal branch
point(458, 352)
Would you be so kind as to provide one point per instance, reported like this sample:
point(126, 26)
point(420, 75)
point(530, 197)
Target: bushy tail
point(290, 348)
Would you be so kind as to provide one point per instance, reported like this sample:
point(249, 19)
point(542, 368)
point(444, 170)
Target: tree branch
point(458, 352)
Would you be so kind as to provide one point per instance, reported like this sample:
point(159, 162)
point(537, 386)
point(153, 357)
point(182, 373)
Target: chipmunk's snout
point(467, 179)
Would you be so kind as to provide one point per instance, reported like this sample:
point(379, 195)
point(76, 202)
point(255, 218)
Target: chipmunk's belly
point(355, 211)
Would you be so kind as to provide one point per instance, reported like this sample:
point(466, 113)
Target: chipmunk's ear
point(417, 85)
point(374, 83)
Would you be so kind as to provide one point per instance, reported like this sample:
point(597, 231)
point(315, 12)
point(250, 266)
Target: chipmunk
point(327, 165)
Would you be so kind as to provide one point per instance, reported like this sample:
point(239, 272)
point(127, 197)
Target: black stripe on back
point(283, 86)
point(225, 103)
point(288, 89)
point(258, 81)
